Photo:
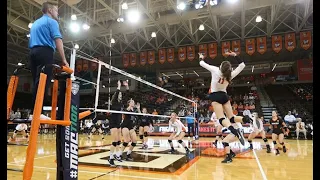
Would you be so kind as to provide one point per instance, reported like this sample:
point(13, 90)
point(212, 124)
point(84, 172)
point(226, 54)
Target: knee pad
point(180, 141)
point(220, 120)
point(274, 142)
point(225, 144)
point(125, 144)
point(141, 136)
point(114, 144)
point(170, 141)
point(133, 144)
point(249, 141)
point(145, 134)
point(282, 143)
point(118, 143)
point(232, 120)
point(265, 139)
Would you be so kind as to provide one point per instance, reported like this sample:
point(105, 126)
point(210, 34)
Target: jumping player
point(178, 134)
point(257, 126)
point(220, 79)
point(115, 120)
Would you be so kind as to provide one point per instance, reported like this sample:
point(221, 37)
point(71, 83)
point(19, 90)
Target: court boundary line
point(259, 165)
point(94, 172)
point(34, 158)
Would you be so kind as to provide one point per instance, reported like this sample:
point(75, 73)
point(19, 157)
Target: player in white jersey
point(218, 127)
point(220, 79)
point(257, 126)
point(22, 127)
point(178, 133)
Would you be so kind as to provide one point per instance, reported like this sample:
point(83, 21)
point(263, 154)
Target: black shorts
point(144, 124)
point(277, 132)
point(129, 126)
point(219, 97)
point(114, 124)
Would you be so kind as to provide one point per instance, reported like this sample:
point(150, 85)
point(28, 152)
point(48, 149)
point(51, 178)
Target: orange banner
point(170, 55)
point(151, 57)
point(85, 65)
point(213, 50)
point(203, 49)
point(277, 43)
point(125, 60)
point(262, 45)
point(290, 41)
point(225, 47)
point(94, 66)
point(191, 53)
point(79, 65)
point(182, 53)
point(305, 40)
point(143, 58)
point(236, 46)
point(305, 69)
point(162, 55)
point(250, 46)
point(133, 59)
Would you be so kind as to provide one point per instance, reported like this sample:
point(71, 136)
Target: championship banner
point(125, 60)
point(250, 46)
point(236, 46)
point(191, 53)
point(170, 54)
point(203, 49)
point(79, 65)
point(94, 66)
point(213, 53)
point(262, 45)
point(204, 130)
point(143, 58)
point(162, 55)
point(225, 48)
point(305, 69)
point(277, 43)
point(182, 53)
point(67, 136)
point(290, 41)
point(85, 65)
point(305, 40)
point(151, 57)
point(133, 59)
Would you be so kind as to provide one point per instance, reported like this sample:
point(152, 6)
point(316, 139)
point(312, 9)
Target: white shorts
point(21, 127)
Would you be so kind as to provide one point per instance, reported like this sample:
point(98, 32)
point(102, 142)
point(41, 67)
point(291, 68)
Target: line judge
point(45, 38)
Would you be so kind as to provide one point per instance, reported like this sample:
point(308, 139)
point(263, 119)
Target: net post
point(97, 86)
point(196, 116)
point(67, 136)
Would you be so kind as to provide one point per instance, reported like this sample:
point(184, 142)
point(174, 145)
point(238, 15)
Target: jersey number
point(221, 80)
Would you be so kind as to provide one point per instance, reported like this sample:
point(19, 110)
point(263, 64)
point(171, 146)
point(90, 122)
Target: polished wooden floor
point(203, 163)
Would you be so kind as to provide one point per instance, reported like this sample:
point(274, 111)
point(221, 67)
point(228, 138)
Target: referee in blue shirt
point(45, 38)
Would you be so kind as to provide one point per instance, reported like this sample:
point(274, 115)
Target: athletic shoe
point(268, 149)
point(232, 154)
point(129, 158)
point(111, 162)
point(227, 160)
point(284, 149)
point(172, 151)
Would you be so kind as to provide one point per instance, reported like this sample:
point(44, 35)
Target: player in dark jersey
point(117, 104)
point(97, 126)
point(277, 125)
point(128, 130)
point(144, 123)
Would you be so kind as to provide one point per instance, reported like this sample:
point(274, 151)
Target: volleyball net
point(158, 102)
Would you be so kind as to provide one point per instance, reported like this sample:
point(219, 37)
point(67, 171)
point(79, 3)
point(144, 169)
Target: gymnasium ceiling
point(173, 27)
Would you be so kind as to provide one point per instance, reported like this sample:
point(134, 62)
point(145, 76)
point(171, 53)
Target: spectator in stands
point(300, 127)
point(252, 106)
point(155, 112)
point(190, 121)
point(240, 107)
point(17, 115)
point(246, 111)
point(289, 118)
point(235, 112)
point(295, 113)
